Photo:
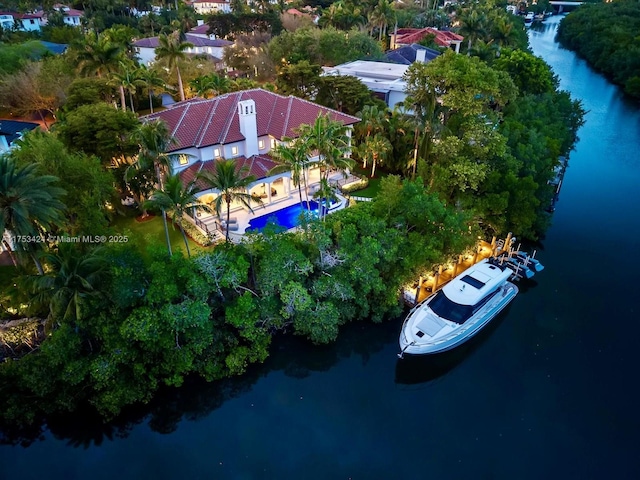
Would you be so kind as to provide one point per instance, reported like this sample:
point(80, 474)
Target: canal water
point(547, 392)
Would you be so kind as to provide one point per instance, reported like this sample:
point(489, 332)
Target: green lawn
point(374, 183)
point(152, 231)
point(371, 191)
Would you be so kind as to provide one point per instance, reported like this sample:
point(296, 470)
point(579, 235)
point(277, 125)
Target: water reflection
point(196, 399)
point(412, 370)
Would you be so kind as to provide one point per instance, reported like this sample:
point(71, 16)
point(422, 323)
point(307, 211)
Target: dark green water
point(547, 392)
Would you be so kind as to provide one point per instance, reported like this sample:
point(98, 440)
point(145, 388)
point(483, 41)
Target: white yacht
point(459, 310)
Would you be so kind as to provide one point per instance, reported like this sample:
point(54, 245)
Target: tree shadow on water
point(196, 398)
point(422, 369)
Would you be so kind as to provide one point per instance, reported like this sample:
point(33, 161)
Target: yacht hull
point(411, 346)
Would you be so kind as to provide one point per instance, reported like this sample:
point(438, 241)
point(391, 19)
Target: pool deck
point(243, 216)
point(240, 216)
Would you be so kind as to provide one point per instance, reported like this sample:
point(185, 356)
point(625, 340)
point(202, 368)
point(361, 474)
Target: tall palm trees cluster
point(112, 56)
point(348, 14)
point(487, 30)
point(326, 138)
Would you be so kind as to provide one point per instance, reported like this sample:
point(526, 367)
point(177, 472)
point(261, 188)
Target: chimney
point(248, 126)
point(421, 54)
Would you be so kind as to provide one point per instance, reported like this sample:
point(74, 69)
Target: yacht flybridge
point(467, 303)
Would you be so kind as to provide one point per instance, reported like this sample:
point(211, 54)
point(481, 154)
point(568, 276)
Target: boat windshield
point(445, 308)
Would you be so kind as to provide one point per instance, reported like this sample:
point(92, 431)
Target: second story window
point(261, 144)
point(234, 151)
point(273, 143)
point(216, 153)
point(183, 159)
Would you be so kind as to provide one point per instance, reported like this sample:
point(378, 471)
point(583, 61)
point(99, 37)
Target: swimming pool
point(287, 218)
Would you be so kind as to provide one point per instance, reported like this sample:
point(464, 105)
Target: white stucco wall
point(211, 7)
point(30, 24)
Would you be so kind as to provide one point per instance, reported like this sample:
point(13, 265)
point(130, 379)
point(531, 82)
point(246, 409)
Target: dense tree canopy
point(99, 130)
point(88, 185)
point(326, 47)
point(606, 35)
point(471, 154)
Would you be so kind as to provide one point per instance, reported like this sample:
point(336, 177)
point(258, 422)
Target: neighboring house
point(202, 30)
point(243, 126)
point(71, 16)
point(29, 22)
point(204, 7)
point(411, 53)
point(32, 22)
point(12, 130)
point(297, 13)
point(383, 79)
point(145, 47)
point(6, 21)
point(443, 38)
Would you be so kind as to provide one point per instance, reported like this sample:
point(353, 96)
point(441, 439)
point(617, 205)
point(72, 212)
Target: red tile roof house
point(443, 38)
point(243, 126)
point(32, 22)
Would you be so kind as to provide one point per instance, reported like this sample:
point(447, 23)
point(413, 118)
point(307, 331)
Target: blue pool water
point(287, 218)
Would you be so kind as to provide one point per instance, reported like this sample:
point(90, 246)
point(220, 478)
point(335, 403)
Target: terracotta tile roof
point(444, 38)
point(153, 42)
point(200, 123)
point(258, 165)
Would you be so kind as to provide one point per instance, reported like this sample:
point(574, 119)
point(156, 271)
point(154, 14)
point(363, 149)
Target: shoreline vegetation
point(117, 322)
point(606, 36)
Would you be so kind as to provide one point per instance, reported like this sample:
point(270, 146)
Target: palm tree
point(29, 205)
point(381, 16)
point(504, 32)
point(232, 185)
point(376, 149)
point(472, 26)
point(172, 49)
point(212, 83)
point(151, 79)
point(99, 56)
point(485, 51)
point(343, 15)
point(127, 79)
point(325, 195)
point(177, 199)
point(201, 85)
point(329, 138)
point(292, 156)
point(155, 141)
point(372, 121)
point(219, 84)
point(72, 280)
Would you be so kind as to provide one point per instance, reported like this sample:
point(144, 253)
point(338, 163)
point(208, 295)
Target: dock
point(429, 284)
